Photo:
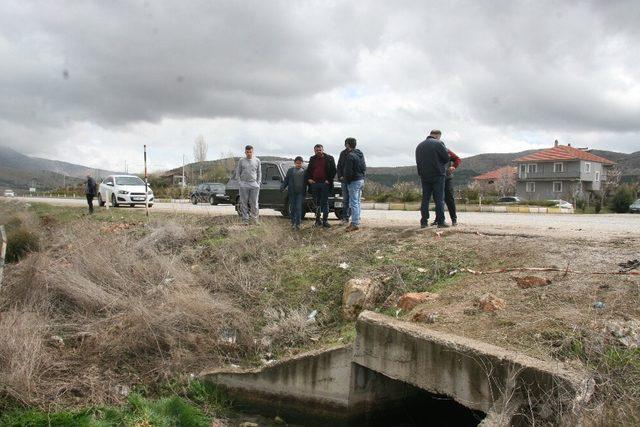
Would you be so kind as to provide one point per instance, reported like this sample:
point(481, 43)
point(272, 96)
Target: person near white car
point(124, 190)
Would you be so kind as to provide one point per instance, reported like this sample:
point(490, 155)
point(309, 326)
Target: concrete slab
point(476, 374)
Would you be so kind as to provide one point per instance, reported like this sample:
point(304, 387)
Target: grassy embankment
point(106, 303)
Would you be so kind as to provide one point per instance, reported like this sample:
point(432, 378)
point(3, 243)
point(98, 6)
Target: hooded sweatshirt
point(354, 166)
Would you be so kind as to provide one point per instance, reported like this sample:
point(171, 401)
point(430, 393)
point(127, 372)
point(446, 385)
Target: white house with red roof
point(560, 172)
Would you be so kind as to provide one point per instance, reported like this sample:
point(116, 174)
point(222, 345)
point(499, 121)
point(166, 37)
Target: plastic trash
point(598, 305)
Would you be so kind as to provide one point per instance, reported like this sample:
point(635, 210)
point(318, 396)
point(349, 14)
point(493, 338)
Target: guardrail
point(468, 208)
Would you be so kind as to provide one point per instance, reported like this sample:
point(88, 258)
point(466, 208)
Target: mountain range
point(19, 171)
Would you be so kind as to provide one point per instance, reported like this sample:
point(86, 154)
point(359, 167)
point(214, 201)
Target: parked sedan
point(209, 192)
point(9, 193)
point(558, 203)
point(124, 190)
point(509, 200)
point(635, 207)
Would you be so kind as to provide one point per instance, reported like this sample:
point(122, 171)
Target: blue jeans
point(433, 186)
point(346, 210)
point(355, 193)
point(295, 205)
point(320, 192)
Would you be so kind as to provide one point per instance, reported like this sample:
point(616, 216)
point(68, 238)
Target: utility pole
point(146, 184)
point(182, 183)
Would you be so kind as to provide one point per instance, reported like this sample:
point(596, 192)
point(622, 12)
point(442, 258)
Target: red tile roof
point(563, 152)
point(497, 174)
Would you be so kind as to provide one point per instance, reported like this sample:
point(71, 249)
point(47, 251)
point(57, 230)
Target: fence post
point(3, 252)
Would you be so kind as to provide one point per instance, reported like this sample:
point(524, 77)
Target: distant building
point(560, 172)
point(174, 178)
point(501, 180)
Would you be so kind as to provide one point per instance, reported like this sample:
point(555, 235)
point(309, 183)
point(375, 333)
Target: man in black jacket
point(346, 213)
point(90, 192)
point(354, 171)
point(431, 160)
point(319, 175)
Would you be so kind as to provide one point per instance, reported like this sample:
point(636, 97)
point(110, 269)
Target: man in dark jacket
point(344, 219)
point(90, 192)
point(431, 160)
point(354, 171)
point(449, 199)
point(320, 174)
point(295, 184)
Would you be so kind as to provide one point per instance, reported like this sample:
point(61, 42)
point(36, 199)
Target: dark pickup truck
point(273, 173)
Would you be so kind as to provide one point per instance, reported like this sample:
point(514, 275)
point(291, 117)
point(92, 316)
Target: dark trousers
point(449, 200)
point(90, 202)
point(320, 193)
point(295, 205)
point(432, 186)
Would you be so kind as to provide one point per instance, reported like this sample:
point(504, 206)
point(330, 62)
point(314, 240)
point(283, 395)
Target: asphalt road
point(592, 227)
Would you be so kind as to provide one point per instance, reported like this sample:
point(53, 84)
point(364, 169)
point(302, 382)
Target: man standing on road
point(320, 174)
point(249, 175)
point(354, 171)
point(294, 183)
point(449, 199)
point(90, 192)
point(431, 160)
point(346, 213)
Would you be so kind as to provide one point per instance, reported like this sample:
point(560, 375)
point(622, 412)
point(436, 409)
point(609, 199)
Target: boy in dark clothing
point(354, 171)
point(90, 192)
point(449, 198)
point(431, 159)
point(346, 213)
point(295, 183)
point(319, 176)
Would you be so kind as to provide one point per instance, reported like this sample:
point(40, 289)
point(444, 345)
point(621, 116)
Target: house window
point(558, 167)
point(531, 187)
point(533, 168)
point(587, 167)
point(557, 186)
point(523, 170)
point(597, 176)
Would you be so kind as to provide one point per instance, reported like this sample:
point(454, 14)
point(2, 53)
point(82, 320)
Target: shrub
point(622, 199)
point(580, 203)
point(406, 192)
point(20, 242)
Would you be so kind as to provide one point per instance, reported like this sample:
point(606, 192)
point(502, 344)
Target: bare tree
point(200, 149)
point(506, 182)
point(609, 184)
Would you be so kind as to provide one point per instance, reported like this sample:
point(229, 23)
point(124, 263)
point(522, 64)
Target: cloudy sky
point(91, 82)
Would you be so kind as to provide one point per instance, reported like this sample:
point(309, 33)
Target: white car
point(9, 193)
point(558, 203)
point(124, 190)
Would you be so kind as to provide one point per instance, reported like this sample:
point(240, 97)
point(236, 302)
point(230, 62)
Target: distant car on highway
point(273, 173)
point(509, 200)
point(558, 203)
point(124, 190)
point(635, 207)
point(9, 193)
point(209, 192)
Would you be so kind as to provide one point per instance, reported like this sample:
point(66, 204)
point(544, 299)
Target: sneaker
point(296, 228)
point(424, 225)
point(434, 222)
point(352, 227)
point(326, 225)
point(454, 222)
point(443, 225)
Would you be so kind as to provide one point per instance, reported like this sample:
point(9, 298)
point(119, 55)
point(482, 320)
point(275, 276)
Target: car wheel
point(194, 200)
point(286, 209)
point(100, 201)
point(213, 200)
point(338, 213)
point(150, 205)
point(133, 205)
point(114, 203)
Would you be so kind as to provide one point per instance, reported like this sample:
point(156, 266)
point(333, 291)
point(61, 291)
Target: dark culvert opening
point(411, 406)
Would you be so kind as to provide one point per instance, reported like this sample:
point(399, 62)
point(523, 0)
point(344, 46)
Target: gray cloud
point(387, 71)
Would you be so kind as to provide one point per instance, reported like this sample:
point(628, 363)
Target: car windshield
point(129, 180)
point(217, 187)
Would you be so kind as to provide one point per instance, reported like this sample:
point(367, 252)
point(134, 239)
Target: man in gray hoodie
point(249, 176)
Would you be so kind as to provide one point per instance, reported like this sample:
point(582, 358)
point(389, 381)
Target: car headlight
point(150, 193)
point(123, 192)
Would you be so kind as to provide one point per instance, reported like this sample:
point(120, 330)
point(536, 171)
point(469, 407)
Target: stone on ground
point(490, 302)
point(359, 294)
point(409, 300)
